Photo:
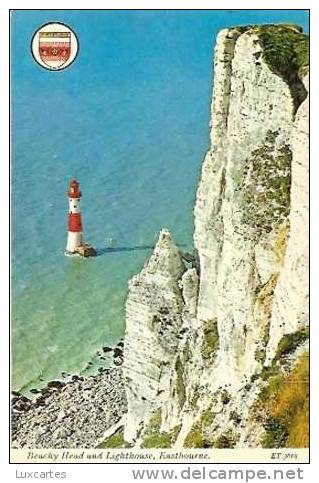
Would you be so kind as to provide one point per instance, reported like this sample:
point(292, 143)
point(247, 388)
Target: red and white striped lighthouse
point(75, 235)
point(75, 244)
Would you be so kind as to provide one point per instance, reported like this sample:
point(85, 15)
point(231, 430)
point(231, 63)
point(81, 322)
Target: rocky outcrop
point(153, 327)
point(198, 339)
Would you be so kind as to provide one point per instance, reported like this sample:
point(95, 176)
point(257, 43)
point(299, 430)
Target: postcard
point(159, 236)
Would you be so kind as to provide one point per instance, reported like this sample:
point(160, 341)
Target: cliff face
point(199, 340)
point(153, 324)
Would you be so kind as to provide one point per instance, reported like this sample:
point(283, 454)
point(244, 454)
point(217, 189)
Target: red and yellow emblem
point(55, 48)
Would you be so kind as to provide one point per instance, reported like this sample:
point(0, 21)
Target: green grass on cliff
point(286, 50)
point(286, 347)
point(265, 185)
point(286, 405)
point(290, 342)
point(154, 438)
point(180, 385)
point(283, 404)
point(116, 440)
point(202, 434)
point(211, 340)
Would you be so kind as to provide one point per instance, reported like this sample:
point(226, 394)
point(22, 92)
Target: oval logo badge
point(54, 46)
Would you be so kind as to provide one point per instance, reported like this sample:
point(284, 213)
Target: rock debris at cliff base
point(75, 414)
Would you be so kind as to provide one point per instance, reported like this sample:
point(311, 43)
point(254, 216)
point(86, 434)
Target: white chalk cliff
point(198, 338)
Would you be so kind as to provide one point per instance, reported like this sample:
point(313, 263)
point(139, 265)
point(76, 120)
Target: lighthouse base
point(84, 250)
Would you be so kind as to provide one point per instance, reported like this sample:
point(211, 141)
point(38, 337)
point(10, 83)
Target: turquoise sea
point(129, 119)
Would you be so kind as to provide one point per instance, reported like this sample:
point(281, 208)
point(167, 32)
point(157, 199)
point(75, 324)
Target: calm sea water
point(129, 120)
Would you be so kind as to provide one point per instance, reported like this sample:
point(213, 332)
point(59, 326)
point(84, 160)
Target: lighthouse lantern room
point(75, 244)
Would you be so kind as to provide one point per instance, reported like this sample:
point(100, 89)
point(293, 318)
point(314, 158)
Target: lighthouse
point(75, 244)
